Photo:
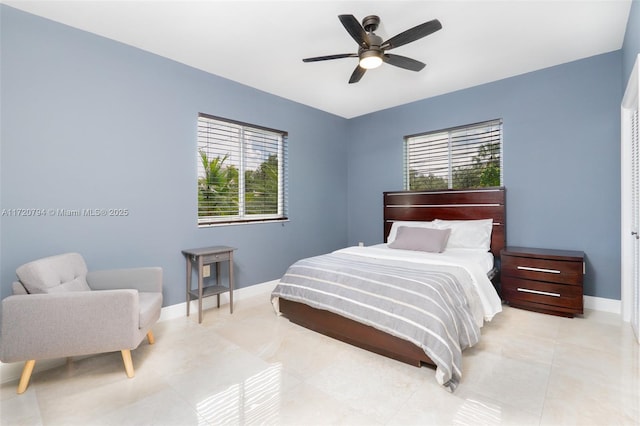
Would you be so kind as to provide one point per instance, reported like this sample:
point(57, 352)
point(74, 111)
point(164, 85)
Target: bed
point(380, 268)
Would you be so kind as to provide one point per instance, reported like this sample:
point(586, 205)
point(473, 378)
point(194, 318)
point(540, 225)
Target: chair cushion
point(150, 306)
point(64, 272)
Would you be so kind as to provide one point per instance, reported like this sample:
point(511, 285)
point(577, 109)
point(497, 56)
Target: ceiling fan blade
point(326, 58)
point(412, 34)
point(353, 27)
point(357, 74)
point(403, 62)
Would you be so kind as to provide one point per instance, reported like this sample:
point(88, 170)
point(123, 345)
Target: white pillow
point(410, 223)
point(469, 234)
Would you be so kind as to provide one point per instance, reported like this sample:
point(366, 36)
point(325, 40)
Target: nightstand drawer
point(558, 271)
point(217, 257)
point(559, 295)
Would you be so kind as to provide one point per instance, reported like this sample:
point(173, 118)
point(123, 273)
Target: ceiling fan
point(372, 50)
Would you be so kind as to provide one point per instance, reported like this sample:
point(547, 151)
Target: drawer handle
point(544, 293)
point(548, 271)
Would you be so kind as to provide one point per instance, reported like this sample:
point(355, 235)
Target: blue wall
point(91, 123)
point(561, 159)
point(631, 44)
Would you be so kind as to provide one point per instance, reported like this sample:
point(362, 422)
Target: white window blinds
point(242, 172)
point(462, 157)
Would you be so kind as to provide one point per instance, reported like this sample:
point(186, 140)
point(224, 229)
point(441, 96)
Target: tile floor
point(254, 367)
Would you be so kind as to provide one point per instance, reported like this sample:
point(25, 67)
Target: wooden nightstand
point(543, 280)
point(199, 257)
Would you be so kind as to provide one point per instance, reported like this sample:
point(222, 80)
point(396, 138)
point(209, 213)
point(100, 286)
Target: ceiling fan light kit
point(372, 50)
point(370, 59)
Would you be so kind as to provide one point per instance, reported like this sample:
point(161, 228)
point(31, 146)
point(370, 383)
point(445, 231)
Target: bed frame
point(414, 206)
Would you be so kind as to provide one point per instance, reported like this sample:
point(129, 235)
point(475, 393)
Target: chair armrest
point(41, 326)
point(141, 279)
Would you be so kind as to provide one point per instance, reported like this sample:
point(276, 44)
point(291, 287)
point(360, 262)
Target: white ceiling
point(261, 43)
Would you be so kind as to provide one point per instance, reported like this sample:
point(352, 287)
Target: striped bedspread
point(427, 305)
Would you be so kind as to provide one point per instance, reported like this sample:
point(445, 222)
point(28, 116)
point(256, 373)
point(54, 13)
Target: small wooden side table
point(199, 257)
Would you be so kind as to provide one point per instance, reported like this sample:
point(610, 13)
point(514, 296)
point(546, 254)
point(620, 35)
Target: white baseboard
point(602, 304)
point(180, 309)
point(12, 371)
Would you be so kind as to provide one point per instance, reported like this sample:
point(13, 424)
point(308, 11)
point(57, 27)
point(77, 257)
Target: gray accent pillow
point(421, 239)
point(55, 274)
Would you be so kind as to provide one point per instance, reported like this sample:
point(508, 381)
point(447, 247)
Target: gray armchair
point(59, 309)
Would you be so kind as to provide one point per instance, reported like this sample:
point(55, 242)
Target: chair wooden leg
point(128, 363)
point(26, 375)
point(150, 337)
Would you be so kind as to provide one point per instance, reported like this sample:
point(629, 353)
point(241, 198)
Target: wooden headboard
point(452, 204)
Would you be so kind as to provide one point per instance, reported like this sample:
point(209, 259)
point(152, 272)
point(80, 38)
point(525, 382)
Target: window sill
point(245, 222)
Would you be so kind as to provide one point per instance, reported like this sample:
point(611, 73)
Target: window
point(458, 158)
point(242, 172)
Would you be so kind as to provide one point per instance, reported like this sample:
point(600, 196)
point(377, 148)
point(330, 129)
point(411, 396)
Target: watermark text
point(58, 212)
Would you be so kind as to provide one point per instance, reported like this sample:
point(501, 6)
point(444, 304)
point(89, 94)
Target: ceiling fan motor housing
point(373, 40)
